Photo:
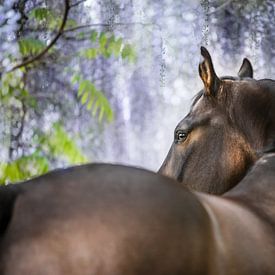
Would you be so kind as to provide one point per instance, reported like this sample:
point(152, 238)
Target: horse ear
point(246, 69)
point(207, 73)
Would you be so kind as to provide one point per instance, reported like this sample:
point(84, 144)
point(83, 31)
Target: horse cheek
point(239, 158)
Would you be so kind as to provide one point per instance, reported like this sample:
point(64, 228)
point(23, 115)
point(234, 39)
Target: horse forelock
point(196, 98)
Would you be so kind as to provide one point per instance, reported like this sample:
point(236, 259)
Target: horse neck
point(257, 189)
point(253, 111)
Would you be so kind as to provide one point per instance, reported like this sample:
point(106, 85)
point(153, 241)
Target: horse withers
point(230, 120)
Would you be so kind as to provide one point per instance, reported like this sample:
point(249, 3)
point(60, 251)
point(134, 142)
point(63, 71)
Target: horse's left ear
point(246, 69)
point(207, 74)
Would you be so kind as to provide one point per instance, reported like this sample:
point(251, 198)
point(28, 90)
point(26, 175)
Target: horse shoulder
point(240, 235)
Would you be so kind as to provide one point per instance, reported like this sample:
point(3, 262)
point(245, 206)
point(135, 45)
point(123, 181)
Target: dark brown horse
point(103, 219)
point(110, 219)
point(230, 120)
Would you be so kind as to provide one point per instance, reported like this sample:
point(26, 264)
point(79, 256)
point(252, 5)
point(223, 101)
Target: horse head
point(230, 119)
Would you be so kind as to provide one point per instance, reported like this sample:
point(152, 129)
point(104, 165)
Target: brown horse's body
point(107, 220)
point(113, 220)
point(86, 221)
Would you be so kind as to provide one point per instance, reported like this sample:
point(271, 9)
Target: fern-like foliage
point(49, 18)
point(55, 144)
point(54, 147)
point(107, 44)
point(94, 100)
point(30, 46)
point(23, 168)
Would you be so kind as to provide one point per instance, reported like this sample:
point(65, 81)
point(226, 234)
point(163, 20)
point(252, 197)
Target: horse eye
point(181, 136)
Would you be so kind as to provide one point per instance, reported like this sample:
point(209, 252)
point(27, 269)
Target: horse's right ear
point(246, 69)
point(207, 74)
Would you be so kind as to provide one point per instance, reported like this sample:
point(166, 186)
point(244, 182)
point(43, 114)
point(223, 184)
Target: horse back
point(105, 219)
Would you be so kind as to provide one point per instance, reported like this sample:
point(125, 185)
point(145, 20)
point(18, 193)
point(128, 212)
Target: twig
point(94, 25)
point(77, 3)
point(24, 110)
point(43, 52)
point(106, 25)
point(222, 6)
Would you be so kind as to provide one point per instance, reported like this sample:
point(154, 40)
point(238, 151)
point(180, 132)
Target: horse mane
point(253, 111)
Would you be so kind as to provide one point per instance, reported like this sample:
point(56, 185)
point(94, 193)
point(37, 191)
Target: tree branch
point(92, 25)
point(222, 6)
point(77, 3)
point(51, 44)
point(21, 128)
point(106, 25)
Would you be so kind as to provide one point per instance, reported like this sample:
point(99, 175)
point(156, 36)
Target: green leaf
point(117, 47)
point(83, 86)
point(113, 47)
point(31, 46)
point(102, 42)
point(89, 94)
point(90, 53)
point(55, 23)
point(24, 93)
point(101, 113)
point(49, 18)
point(31, 102)
point(90, 103)
point(80, 35)
point(93, 36)
point(41, 14)
point(84, 98)
point(96, 106)
point(23, 168)
point(71, 23)
point(107, 46)
point(128, 53)
point(61, 145)
point(76, 78)
point(12, 85)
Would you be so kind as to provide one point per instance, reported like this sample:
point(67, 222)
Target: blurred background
point(108, 80)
